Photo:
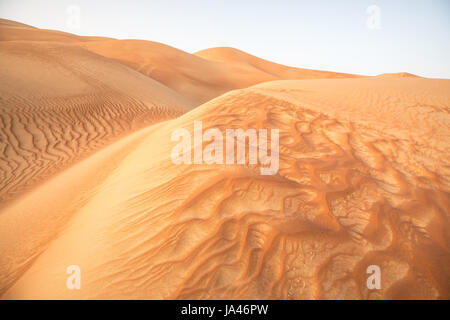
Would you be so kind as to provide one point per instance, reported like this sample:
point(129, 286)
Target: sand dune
point(364, 179)
point(15, 31)
point(60, 103)
point(11, 23)
point(198, 77)
point(204, 75)
point(87, 177)
point(397, 75)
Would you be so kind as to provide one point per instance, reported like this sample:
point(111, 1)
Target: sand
point(204, 75)
point(364, 180)
point(60, 103)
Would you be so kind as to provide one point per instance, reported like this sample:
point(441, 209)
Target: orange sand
point(87, 177)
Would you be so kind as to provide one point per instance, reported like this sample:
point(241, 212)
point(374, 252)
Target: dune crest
point(234, 56)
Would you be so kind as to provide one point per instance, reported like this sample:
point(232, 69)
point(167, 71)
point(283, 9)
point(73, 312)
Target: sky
point(355, 36)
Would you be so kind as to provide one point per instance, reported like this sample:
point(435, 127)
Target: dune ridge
point(16, 31)
point(235, 56)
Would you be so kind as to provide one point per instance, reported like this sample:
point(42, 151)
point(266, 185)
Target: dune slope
point(60, 103)
point(364, 180)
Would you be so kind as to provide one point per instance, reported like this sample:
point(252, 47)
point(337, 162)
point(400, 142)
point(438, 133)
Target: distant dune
point(237, 57)
point(398, 75)
point(204, 75)
point(60, 103)
point(13, 31)
point(88, 179)
point(10, 23)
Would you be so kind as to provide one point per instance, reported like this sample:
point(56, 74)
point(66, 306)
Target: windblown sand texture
point(88, 180)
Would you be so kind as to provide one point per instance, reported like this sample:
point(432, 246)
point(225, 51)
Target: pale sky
point(355, 36)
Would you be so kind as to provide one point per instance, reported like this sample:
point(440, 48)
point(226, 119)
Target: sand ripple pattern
point(347, 195)
point(36, 142)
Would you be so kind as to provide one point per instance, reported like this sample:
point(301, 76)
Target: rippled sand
point(364, 179)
